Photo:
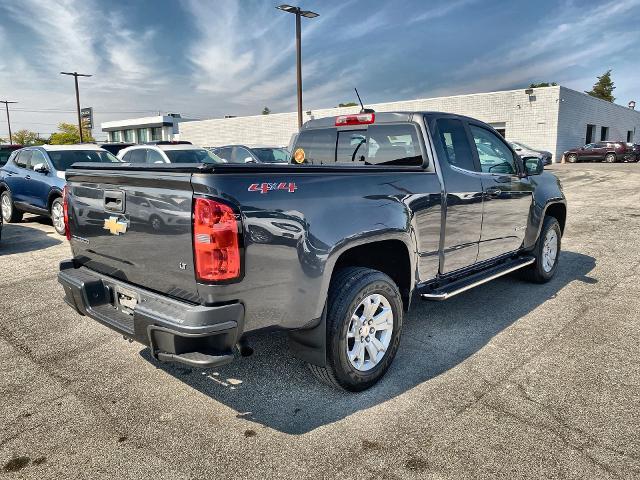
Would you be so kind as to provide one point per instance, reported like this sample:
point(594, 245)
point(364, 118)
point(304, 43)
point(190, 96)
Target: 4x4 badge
point(115, 225)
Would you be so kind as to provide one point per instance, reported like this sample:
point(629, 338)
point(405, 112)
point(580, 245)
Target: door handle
point(494, 191)
point(28, 177)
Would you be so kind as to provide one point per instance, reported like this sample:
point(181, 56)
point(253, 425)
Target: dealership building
point(145, 129)
point(549, 118)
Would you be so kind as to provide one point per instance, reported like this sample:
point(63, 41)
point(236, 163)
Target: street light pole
point(298, 12)
point(75, 75)
point(6, 106)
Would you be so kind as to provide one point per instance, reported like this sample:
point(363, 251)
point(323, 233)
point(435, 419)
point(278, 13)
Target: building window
point(143, 135)
point(115, 136)
point(128, 136)
point(156, 134)
point(589, 137)
point(604, 133)
point(629, 136)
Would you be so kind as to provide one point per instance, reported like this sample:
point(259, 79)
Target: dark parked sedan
point(608, 151)
point(244, 154)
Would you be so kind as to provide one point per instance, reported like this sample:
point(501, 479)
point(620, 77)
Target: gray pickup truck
point(374, 211)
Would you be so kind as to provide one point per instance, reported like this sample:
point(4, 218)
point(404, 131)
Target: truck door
point(507, 195)
point(463, 217)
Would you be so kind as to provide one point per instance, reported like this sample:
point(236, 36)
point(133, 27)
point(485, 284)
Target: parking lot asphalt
point(509, 380)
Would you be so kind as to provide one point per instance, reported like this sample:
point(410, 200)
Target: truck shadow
point(19, 238)
point(275, 389)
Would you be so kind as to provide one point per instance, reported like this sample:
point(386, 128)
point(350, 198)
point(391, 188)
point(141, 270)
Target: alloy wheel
point(6, 207)
point(369, 333)
point(549, 250)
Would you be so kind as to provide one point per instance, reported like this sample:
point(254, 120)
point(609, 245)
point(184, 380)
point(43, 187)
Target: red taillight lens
point(215, 241)
point(65, 210)
point(357, 119)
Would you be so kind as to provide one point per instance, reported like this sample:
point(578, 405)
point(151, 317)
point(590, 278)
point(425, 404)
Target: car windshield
point(192, 156)
point(63, 159)
point(271, 155)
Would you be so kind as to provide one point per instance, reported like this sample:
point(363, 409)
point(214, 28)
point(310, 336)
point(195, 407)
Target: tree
point(543, 84)
point(3, 140)
point(266, 111)
point(27, 137)
point(603, 88)
point(68, 135)
point(348, 104)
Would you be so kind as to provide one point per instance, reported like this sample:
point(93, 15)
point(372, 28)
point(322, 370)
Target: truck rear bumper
point(175, 331)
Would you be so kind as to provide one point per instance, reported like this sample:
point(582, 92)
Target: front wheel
point(546, 252)
point(573, 158)
point(610, 158)
point(364, 322)
point(57, 216)
point(9, 212)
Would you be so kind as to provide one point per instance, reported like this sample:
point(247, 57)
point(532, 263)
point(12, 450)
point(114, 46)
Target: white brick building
point(145, 129)
point(551, 118)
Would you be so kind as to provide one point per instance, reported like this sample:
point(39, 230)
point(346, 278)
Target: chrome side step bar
point(454, 288)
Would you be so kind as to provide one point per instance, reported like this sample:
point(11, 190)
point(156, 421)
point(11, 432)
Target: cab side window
point(494, 155)
point(454, 143)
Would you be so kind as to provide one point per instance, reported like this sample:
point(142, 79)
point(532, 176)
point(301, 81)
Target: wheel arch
point(379, 253)
point(558, 210)
point(53, 194)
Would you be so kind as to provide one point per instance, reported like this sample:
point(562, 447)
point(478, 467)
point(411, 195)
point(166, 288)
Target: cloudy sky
point(209, 58)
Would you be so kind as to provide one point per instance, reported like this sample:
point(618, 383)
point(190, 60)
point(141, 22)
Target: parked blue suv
point(34, 177)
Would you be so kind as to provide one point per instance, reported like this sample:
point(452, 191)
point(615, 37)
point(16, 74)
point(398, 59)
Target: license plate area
point(126, 300)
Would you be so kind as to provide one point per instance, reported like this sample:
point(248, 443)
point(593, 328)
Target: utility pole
point(75, 75)
point(6, 106)
point(298, 12)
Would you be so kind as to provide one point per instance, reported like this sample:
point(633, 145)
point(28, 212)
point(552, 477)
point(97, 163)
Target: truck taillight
point(65, 210)
point(357, 119)
point(215, 241)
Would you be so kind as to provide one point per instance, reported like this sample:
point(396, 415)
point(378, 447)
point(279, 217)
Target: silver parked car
point(527, 151)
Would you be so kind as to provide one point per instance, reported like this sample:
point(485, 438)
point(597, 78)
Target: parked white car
point(167, 153)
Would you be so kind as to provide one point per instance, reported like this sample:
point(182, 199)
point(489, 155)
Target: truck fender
point(309, 344)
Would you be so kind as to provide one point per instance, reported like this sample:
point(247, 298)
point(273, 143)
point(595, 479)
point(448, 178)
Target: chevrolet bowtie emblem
point(115, 226)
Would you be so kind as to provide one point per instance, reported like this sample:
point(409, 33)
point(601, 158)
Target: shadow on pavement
point(276, 390)
point(19, 238)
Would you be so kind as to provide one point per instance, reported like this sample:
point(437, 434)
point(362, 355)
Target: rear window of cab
point(384, 144)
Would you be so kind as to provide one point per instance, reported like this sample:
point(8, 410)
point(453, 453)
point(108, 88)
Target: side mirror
point(533, 165)
point(249, 160)
point(40, 168)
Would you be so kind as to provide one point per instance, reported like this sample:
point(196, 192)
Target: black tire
point(610, 158)
point(15, 215)
point(349, 287)
point(572, 158)
point(536, 272)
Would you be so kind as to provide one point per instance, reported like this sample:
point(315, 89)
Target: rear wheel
point(364, 322)
point(9, 212)
point(610, 158)
point(57, 216)
point(573, 158)
point(546, 252)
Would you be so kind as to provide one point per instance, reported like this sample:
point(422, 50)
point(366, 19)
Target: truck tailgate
point(135, 226)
